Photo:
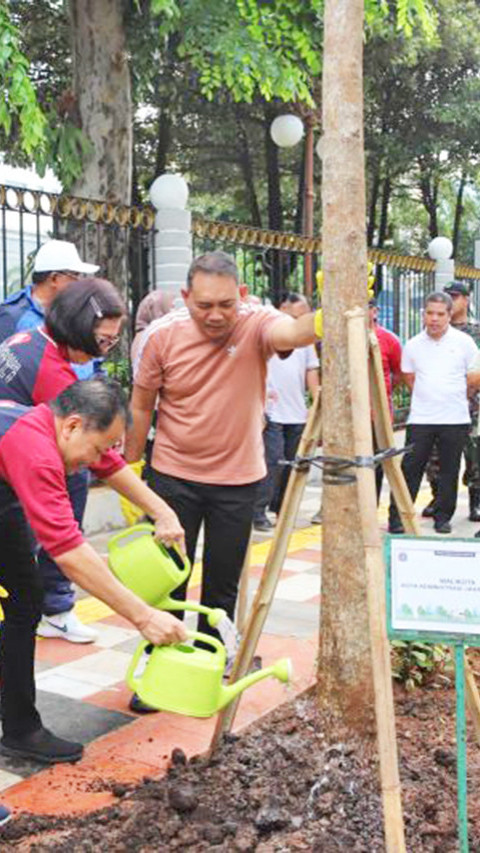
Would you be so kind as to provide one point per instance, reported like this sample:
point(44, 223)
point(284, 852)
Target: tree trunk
point(101, 82)
point(345, 673)
point(247, 170)
point(275, 210)
point(383, 226)
point(429, 191)
point(372, 209)
point(101, 79)
point(458, 212)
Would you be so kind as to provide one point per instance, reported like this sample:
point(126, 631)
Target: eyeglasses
point(107, 342)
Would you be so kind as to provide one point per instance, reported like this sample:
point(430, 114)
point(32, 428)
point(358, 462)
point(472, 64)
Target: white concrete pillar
point(476, 250)
point(173, 238)
point(440, 250)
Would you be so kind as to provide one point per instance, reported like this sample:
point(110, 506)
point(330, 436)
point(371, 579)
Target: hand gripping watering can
point(188, 680)
point(153, 571)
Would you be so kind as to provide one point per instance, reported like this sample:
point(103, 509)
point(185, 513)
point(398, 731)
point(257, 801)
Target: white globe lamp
point(440, 249)
point(169, 191)
point(286, 131)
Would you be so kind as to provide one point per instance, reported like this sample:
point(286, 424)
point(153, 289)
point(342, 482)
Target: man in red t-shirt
point(206, 363)
point(38, 447)
point(391, 352)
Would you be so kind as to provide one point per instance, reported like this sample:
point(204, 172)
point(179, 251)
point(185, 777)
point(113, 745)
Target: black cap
point(457, 287)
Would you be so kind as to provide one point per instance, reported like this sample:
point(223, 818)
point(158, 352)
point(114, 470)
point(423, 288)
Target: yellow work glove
point(370, 281)
point(131, 512)
point(3, 594)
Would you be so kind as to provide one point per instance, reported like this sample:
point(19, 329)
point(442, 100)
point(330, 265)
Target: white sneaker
point(66, 626)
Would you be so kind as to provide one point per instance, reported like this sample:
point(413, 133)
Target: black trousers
point(226, 513)
point(20, 576)
point(450, 440)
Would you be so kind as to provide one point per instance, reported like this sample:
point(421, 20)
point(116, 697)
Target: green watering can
point(188, 680)
point(153, 571)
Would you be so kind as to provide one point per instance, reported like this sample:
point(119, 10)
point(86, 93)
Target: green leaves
point(251, 48)
point(18, 100)
point(416, 664)
point(412, 12)
point(66, 149)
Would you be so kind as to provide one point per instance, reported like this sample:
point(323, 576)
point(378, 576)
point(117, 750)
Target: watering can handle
point(186, 562)
point(131, 681)
point(124, 534)
point(206, 638)
point(115, 541)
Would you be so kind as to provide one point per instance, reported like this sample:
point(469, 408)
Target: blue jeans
point(280, 442)
point(59, 595)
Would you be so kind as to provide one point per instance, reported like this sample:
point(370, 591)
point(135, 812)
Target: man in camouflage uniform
point(460, 295)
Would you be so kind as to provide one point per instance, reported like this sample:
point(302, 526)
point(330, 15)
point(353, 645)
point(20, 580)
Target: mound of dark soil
point(282, 786)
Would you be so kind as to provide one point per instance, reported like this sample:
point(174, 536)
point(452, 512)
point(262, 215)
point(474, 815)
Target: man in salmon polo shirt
point(207, 363)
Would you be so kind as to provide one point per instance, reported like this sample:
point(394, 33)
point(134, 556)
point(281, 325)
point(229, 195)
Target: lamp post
point(173, 240)
point(440, 250)
point(286, 131)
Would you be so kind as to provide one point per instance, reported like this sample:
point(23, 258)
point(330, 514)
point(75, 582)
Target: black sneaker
point(428, 511)
point(43, 746)
point(139, 706)
point(263, 524)
point(442, 527)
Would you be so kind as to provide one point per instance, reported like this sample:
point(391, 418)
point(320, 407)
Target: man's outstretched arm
point(288, 334)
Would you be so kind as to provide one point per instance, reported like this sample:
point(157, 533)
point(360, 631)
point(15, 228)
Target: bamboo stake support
point(273, 567)
point(392, 467)
point(380, 647)
point(242, 603)
point(382, 423)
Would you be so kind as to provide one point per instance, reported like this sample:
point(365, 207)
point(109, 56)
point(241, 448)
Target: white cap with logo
point(59, 256)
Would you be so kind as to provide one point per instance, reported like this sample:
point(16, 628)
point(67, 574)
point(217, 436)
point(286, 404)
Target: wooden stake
point(382, 423)
point(273, 566)
point(380, 647)
point(242, 602)
point(392, 467)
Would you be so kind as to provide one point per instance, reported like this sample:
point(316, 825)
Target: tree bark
point(383, 226)
point(274, 260)
point(345, 674)
point(429, 191)
point(246, 167)
point(458, 212)
point(372, 208)
point(101, 83)
point(101, 78)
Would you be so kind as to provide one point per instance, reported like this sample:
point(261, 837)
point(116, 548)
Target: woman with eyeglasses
point(84, 321)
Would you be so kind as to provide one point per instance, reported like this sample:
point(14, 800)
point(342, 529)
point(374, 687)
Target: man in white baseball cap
point(57, 263)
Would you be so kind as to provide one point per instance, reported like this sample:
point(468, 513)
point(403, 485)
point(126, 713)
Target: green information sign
point(433, 595)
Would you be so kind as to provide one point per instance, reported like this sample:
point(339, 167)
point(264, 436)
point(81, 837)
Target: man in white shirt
point(435, 364)
point(285, 414)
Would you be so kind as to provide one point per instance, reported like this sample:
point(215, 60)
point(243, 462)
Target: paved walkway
point(82, 695)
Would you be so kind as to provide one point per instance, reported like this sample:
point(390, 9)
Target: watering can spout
point(281, 669)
